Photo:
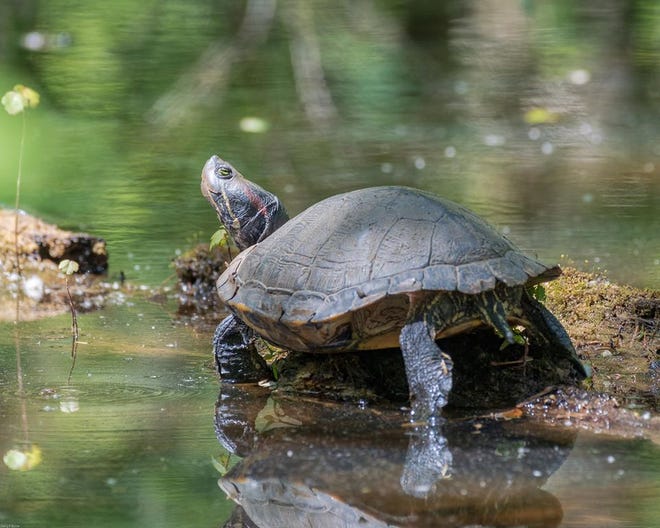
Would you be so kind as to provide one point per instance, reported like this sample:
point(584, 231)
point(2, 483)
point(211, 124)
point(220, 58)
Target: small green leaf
point(538, 292)
point(220, 238)
point(222, 463)
point(539, 116)
point(68, 267)
point(518, 339)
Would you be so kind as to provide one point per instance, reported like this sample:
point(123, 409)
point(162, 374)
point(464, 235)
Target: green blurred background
point(541, 116)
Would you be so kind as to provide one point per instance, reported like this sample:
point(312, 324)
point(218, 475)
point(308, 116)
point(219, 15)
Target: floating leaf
point(540, 116)
point(69, 405)
point(253, 125)
point(13, 102)
point(68, 267)
point(30, 97)
point(511, 414)
point(20, 98)
point(22, 460)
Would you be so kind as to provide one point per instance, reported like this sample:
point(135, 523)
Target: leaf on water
point(30, 97)
point(511, 414)
point(68, 267)
point(18, 99)
point(25, 460)
point(253, 125)
point(13, 102)
point(540, 116)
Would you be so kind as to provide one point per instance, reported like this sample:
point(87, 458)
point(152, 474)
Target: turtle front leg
point(428, 370)
point(236, 356)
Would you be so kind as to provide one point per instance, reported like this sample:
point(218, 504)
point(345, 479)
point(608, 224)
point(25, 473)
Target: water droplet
point(461, 87)
point(579, 77)
point(420, 163)
point(450, 152)
point(611, 459)
point(585, 129)
point(547, 148)
point(587, 198)
point(534, 133)
point(494, 140)
point(386, 168)
point(253, 125)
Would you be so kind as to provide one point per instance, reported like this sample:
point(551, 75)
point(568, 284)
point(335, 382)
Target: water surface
point(531, 113)
point(540, 116)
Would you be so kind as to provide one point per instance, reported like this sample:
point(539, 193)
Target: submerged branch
point(210, 74)
point(17, 253)
point(308, 71)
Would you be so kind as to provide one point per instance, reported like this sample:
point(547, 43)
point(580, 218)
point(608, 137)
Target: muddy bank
point(616, 329)
point(34, 278)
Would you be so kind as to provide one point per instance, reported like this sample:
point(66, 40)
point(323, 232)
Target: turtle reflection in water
point(370, 269)
point(327, 464)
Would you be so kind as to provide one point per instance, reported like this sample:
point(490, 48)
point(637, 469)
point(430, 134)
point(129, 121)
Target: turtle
point(370, 269)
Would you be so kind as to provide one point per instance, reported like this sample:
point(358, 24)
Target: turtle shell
point(339, 274)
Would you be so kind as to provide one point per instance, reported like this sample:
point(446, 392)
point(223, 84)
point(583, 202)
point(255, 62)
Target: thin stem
point(18, 191)
point(21, 388)
point(16, 217)
point(74, 318)
point(74, 330)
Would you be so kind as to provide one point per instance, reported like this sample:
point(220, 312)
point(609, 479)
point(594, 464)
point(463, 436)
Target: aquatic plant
point(16, 101)
point(69, 267)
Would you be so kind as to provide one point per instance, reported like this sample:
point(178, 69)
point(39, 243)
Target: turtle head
point(248, 212)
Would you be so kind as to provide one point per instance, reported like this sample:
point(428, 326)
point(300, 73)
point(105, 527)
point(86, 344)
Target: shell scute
point(352, 251)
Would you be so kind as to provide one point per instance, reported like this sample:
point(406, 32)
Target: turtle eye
point(225, 172)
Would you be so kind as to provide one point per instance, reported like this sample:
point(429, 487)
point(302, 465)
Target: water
point(542, 117)
point(127, 440)
point(532, 115)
